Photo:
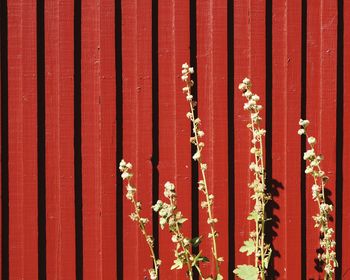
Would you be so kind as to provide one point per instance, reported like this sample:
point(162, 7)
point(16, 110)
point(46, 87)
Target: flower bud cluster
point(174, 219)
point(125, 168)
point(327, 242)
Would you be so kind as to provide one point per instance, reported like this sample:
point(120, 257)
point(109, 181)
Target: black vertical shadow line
point(339, 138)
point(77, 143)
point(272, 273)
point(119, 128)
point(155, 124)
point(4, 145)
point(41, 139)
point(194, 164)
point(230, 142)
point(303, 140)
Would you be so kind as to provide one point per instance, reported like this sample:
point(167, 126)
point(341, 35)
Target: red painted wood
point(321, 105)
point(286, 107)
point(137, 127)
point(346, 148)
point(174, 127)
point(249, 61)
point(60, 225)
point(212, 100)
point(22, 97)
point(98, 140)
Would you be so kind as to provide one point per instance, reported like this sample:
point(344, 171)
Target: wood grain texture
point(174, 127)
point(22, 98)
point(137, 127)
point(286, 110)
point(321, 107)
point(98, 140)
point(60, 226)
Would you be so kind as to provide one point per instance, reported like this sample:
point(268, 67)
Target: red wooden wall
point(86, 83)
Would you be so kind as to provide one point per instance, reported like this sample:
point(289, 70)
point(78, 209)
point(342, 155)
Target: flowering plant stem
point(203, 186)
point(125, 168)
point(256, 243)
point(327, 243)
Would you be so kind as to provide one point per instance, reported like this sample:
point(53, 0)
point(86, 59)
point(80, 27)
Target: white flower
point(247, 81)
point(185, 65)
point(200, 133)
point(255, 97)
point(308, 170)
point(311, 140)
point(191, 70)
point(169, 186)
point(185, 89)
point(304, 123)
point(309, 154)
point(184, 77)
point(301, 131)
point(197, 155)
point(189, 97)
point(189, 115)
point(242, 87)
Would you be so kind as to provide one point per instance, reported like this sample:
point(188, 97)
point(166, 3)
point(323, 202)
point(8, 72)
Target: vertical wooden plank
point(137, 123)
point(60, 227)
point(249, 61)
point(98, 139)
point(286, 97)
point(174, 127)
point(22, 95)
point(321, 106)
point(346, 148)
point(212, 100)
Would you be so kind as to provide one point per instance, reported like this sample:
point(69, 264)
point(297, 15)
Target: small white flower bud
point(301, 131)
point(185, 65)
point(200, 133)
point(191, 70)
point(311, 140)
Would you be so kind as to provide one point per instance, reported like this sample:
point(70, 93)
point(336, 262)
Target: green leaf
point(181, 220)
point(219, 277)
point(253, 216)
point(177, 264)
point(247, 272)
point(196, 241)
point(249, 247)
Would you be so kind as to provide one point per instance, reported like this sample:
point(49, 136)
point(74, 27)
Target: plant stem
point(178, 233)
point(144, 232)
point(209, 203)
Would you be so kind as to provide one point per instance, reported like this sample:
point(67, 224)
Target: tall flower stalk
point(197, 134)
point(256, 244)
point(135, 216)
point(313, 169)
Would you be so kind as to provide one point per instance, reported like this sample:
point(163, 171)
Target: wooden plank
point(98, 140)
point(346, 148)
point(137, 126)
point(249, 61)
point(321, 106)
point(22, 97)
point(212, 100)
point(174, 127)
point(286, 97)
point(60, 227)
